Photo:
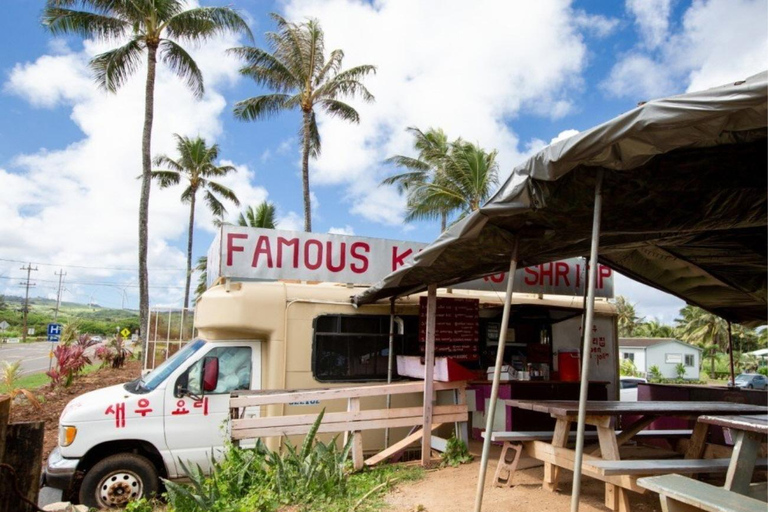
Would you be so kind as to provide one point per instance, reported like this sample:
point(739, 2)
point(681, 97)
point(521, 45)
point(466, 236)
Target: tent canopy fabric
point(684, 205)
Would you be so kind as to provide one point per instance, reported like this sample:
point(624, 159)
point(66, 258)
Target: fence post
point(21, 448)
point(353, 405)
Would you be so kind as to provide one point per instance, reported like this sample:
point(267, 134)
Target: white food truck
point(116, 442)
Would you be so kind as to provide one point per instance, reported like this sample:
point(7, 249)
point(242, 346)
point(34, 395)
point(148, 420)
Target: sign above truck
point(243, 253)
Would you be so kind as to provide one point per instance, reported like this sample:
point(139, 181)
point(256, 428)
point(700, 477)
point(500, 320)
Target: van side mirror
point(210, 373)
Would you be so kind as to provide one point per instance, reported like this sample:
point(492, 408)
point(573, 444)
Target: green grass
point(37, 380)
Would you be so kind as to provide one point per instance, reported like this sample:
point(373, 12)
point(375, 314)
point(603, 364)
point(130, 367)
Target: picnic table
point(600, 414)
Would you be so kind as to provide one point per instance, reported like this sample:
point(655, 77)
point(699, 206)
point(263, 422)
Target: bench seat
point(680, 493)
point(544, 435)
point(665, 466)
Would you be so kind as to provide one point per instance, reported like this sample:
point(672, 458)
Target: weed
point(10, 382)
point(456, 453)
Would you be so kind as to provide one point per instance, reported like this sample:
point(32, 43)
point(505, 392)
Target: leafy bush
point(654, 373)
point(113, 354)
point(680, 370)
point(70, 361)
point(763, 370)
point(456, 453)
point(315, 476)
point(627, 368)
point(85, 341)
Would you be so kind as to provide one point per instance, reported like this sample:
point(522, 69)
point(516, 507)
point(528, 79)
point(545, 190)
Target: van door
point(195, 421)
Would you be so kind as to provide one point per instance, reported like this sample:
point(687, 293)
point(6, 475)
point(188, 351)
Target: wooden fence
point(352, 421)
point(21, 458)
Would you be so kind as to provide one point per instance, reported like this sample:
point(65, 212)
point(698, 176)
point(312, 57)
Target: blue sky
point(509, 75)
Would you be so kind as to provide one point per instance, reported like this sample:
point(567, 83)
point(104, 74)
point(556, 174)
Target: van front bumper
point(59, 471)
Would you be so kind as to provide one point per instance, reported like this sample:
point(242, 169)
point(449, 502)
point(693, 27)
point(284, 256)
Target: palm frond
point(261, 107)
point(332, 67)
point(188, 194)
point(62, 21)
point(203, 23)
point(170, 163)
point(341, 110)
point(181, 63)
point(166, 178)
point(214, 205)
point(266, 69)
point(289, 45)
point(224, 192)
point(408, 162)
point(314, 137)
point(113, 68)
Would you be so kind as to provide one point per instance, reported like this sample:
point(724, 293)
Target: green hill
point(92, 318)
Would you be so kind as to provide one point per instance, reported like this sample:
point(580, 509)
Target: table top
point(615, 408)
point(750, 422)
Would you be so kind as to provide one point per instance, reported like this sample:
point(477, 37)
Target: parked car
point(751, 381)
point(628, 388)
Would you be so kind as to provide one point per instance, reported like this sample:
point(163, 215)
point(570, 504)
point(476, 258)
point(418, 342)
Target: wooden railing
point(352, 421)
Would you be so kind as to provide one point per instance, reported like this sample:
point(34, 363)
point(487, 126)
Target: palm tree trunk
point(189, 248)
point(305, 172)
point(146, 180)
point(443, 221)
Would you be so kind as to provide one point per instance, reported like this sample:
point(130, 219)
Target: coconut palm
point(153, 28)
point(202, 280)
point(262, 216)
point(654, 329)
point(197, 165)
point(302, 77)
point(626, 316)
point(469, 176)
point(702, 328)
point(432, 149)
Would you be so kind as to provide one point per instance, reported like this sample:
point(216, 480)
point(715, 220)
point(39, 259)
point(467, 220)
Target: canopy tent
point(684, 208)
point(673, 193)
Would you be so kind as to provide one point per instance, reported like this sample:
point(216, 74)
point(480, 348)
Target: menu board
point(457, 328)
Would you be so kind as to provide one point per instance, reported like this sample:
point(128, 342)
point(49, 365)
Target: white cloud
point(436, 67)
point(652, 19)
point(81, 201)
point(346, 230)
point(565, 134)
point(291, 221)
point(719, 41)
point(649, 302)
point(598, 25)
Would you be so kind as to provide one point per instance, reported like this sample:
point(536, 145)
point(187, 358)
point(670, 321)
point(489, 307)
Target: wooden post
point(24, 453)
point(5, 418)
point(429, 373)
point(353, 405)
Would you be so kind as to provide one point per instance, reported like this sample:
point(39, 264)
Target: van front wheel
point(118, 479)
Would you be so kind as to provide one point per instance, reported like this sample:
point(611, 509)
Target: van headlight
point(67, 435)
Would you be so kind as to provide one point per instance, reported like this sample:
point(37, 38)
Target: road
point(34, 356)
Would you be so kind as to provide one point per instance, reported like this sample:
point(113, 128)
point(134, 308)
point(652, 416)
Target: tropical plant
point(262, 216)
point(627, 368)
point(748, 362)
point(654, 373)
point(456, 453)
point(197, 166)
point(626, 317)
point(302, 77)
point(154, 28)
point(71, 360)
point(711, 352)
point(702, 328)
point(10, 379)
point(680, 370)
point(85, 341)
point(69, 333)
point(432, 149)
point(654, 329)
point(202, 278)
point(463, 180)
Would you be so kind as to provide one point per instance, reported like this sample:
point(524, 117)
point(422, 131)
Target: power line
point(27, 284)
point(130, 269)
point(91, 283)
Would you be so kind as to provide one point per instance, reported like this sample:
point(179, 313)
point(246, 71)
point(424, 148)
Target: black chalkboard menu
point(457, 328)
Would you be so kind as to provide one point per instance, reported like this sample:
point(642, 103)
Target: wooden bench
point(665, 466)
point(513, 446)
point(682, 494)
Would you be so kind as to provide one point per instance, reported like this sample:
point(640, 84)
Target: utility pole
point(61, 275)
point(27, 284)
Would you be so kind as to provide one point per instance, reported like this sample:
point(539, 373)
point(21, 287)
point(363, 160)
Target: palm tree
point(197, 164)
point(432, 147)
point(702, 328)
point(297, 70)
point(654, 329)
point(262, 216)
point(202, 280)
point(626, 316)
point(152, 28)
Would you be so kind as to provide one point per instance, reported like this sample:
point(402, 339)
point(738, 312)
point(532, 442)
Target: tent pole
point(588, 322)
point(491, 412)
point(390, 359)
point(730, 352)
point(429, 374)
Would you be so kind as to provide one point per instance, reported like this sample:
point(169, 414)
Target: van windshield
point(154, 378)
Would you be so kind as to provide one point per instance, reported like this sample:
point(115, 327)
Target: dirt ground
point(453, 490)
point(54, 400)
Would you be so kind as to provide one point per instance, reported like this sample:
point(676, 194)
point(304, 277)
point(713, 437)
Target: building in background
point(665, 353)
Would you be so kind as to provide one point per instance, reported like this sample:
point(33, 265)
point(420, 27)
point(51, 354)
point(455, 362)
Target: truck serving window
point(355, 347)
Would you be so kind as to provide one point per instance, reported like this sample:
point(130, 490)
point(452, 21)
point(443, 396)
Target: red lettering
point(262, 247)
point(498, 278)
point(561, 270)
point(604, 272)
point(231, 247)
point(399, 260)
point(363, 258)
point(545, 270)
point(318, 254)
point(292, 242)
point(329, 257)
point(531, 276)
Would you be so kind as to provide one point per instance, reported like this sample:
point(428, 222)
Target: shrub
point(654, 373)
point(763, 370)
point(70, 361)
point(456, 453)
point(628, 368)
point(680, 370)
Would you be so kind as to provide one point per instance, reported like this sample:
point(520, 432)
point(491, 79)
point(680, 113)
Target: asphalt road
point(34, 356)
